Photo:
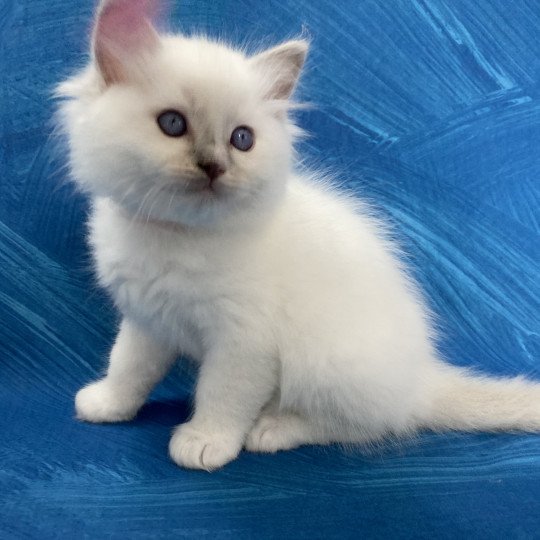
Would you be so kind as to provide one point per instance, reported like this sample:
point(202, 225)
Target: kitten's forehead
point(207, 75)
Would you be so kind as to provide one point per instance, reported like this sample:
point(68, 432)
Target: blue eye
point(242, 138)
point(172, 123)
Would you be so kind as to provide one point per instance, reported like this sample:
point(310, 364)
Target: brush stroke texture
point(430, 109)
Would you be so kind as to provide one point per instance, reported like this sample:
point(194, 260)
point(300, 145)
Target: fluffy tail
point(468, 402)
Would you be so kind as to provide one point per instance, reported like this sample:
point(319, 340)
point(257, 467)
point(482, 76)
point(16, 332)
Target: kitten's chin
point(210, 207)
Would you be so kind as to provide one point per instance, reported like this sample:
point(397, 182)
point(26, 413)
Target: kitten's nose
point(212, 169)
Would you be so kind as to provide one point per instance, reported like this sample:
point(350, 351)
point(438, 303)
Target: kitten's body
point(307, 327)
point(281, 287)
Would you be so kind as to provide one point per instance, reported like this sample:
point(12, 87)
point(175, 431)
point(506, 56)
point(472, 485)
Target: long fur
point(290, 294)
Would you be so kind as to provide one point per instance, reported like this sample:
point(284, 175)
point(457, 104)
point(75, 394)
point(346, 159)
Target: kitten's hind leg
point(136, 364)
point(275, 431)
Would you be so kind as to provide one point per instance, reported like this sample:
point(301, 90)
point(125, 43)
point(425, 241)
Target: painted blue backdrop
point(429, 108)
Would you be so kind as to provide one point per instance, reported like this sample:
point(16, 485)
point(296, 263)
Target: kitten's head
point(179, 129)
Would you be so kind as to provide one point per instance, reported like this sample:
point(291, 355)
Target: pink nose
point(212, 169)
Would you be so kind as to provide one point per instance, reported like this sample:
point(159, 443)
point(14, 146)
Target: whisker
point(158, 192)
point(170, 202)
point(140, 209)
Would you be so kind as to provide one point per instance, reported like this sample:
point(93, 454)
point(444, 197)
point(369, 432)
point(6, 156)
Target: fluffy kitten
point(307, 327)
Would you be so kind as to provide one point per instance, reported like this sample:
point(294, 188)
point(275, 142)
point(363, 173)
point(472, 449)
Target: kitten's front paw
point(100, 402)
point(196, 449)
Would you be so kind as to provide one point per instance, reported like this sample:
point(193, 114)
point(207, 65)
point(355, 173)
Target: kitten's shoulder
point(318, 195)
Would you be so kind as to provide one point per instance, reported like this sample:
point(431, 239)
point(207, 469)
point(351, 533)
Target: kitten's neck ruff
point(170, 226)
point(165, 225)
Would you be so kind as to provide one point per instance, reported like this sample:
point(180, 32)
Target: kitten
point(307, 327)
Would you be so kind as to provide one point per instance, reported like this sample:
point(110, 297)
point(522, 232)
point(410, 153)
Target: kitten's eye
point(242, 138)
point(172, 123)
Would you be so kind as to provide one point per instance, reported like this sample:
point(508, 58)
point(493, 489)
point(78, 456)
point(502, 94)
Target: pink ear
point(123, 33)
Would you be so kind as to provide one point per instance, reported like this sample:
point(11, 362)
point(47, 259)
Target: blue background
point(428, 108)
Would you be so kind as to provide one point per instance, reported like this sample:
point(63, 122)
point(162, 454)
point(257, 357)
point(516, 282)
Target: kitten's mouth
point(210, 186)
point(206, 187)
point(201, 188)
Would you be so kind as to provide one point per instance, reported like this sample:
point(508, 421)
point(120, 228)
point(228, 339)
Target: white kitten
point(307, 327)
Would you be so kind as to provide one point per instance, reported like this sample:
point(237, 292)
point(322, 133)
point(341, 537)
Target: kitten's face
point(179, 129)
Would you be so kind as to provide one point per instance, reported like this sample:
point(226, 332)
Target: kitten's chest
point(175, 287)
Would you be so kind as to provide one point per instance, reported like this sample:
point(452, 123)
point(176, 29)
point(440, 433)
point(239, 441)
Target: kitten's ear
point(123, 35)
point(280, 67)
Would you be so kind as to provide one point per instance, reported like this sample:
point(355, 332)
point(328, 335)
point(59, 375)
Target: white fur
point(289, 293)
